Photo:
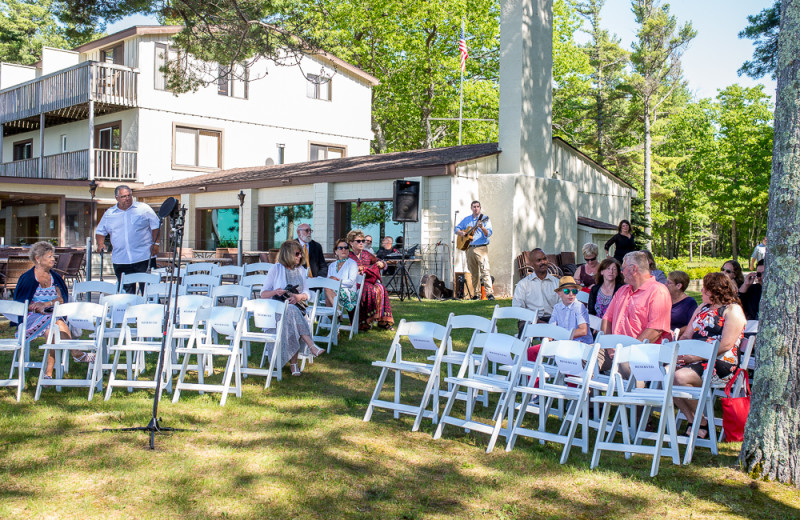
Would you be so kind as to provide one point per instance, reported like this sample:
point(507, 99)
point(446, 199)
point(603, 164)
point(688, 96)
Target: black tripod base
point(154, 426)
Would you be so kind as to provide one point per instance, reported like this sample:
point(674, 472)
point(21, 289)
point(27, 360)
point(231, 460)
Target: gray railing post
point(88, 258)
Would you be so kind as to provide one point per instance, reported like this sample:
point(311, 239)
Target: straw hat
point(567, 281)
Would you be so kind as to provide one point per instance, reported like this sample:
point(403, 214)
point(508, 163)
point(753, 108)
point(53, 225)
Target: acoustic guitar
point(463, 242)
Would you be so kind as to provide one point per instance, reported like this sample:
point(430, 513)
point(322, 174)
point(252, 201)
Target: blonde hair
point(286, 254)
point(354, 234)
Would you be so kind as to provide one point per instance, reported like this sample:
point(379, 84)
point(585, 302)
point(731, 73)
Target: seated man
point(641, 309)
point(537, 290)
point(750, 292)
point(386, 249)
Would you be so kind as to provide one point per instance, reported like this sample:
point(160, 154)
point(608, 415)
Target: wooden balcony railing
point(110, 165)
point(101, 82)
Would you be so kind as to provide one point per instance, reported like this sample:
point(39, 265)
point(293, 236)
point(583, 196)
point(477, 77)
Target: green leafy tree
point(763, 30)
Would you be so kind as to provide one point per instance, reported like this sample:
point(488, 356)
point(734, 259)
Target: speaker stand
point(406, 286)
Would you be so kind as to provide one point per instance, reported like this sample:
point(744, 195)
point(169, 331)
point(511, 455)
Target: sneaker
point(476, 297)
point(490, 297)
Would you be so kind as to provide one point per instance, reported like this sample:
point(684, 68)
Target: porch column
point(1, 143)
point(62, 221)
point(91, 135)
point(41, 145)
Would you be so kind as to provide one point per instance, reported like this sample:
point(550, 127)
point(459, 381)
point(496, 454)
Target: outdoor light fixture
point(92, 187)
point(241, 197)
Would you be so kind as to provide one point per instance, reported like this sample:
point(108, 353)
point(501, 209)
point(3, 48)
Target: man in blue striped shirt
point(478, 251)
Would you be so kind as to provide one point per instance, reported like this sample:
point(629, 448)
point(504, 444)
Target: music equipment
point(167, 207)
point(465, 241)
point(432, 288)
point(405, 205)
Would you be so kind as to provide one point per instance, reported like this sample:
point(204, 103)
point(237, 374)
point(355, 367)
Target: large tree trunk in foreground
point(771, 447)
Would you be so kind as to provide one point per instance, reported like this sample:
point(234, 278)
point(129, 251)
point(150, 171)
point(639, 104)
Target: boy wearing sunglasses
point(570, 313)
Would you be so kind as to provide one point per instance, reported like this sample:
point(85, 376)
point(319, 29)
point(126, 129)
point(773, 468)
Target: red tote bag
point(735, 409)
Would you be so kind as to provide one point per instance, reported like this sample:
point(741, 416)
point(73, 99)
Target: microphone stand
point(154, 426)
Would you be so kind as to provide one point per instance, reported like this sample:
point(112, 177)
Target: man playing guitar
point(474, 232)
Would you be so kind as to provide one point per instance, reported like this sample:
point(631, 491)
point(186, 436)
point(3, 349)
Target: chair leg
point(376, 393)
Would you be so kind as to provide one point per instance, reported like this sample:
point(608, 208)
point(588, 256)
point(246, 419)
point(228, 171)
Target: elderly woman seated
point(585, 275)
point(296, 331)
point(42, 287)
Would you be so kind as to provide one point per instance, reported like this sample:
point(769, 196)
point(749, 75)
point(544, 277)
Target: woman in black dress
point(623, 241)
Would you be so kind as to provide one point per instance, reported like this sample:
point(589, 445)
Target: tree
point(27, 25)
point(656, 62)
point(771, 447)
point(763, 29)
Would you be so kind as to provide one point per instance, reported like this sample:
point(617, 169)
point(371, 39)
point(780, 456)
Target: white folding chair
point(183, 329)
point(116, 303)
point(199, 268)
point(16, 312)
point(158, 292)
point(514, 313)
point(353, 326)
point(326, 315)
point(497, 348)
point(200, 283)
point(84, 291)
point(230, 295)
point(228, 273)
point(138, 278)
point(80, 316)
point(265, 315)
point(595, 324)
point(574, 359)
point(142, 332)
point(255, 282)
point(424, 336)
point(738, 386)
point(751, 327)
point(257, 268)
point(219, 322)
point(648, 362)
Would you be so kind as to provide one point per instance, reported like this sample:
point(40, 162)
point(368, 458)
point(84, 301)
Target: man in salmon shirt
point(640, 309)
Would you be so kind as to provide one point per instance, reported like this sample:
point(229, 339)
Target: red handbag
point(735, 409)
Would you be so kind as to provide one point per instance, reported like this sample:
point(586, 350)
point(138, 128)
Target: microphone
point(166, 207)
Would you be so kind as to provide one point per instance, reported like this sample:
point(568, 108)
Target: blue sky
point(713, 56)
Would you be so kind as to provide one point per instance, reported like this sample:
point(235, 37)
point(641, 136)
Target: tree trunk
point(734, 241)
point(771, 448)
point(648, 210)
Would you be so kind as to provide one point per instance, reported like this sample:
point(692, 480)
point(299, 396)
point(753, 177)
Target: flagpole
point(461, 93)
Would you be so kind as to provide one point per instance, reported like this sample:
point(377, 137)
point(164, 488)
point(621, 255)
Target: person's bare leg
point(687, 377)
point(330, 295)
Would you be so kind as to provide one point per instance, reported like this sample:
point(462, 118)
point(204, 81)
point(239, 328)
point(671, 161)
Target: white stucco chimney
point(526, 94)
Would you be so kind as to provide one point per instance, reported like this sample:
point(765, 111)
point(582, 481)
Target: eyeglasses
point(368, 241)
point(573, 291)
point(590, 259)
point(340, 248)
point(305, 230)
point(359, 240)
point(723, 270)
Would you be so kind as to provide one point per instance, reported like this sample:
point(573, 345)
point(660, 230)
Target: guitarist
point(478, 250)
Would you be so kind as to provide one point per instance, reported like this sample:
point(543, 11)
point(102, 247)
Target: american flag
point(462, 49)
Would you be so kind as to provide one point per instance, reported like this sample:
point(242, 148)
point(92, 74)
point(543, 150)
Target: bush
point(696, 270)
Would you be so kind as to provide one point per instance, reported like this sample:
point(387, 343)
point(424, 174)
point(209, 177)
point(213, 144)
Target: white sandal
point(86, 357)
point(294, 369)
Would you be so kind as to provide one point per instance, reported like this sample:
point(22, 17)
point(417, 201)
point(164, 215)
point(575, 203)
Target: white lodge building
point(260, 138)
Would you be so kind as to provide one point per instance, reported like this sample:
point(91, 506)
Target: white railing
point(110, 165)
point(115, 165)
point(101, 82)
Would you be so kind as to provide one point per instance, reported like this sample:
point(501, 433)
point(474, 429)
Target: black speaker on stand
point(405, 208)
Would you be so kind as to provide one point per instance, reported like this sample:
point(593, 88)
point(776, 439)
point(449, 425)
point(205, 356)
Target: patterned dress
point(375, 305)
point(295, 323)
point(38, 324)
point(707, 326)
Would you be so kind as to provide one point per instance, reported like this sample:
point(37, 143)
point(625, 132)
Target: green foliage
point(371, 212)
point(763, 30)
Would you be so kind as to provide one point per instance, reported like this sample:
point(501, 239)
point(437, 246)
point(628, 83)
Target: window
point(319, 87)
point(320, 152)
point(197, 148)
point(232, 83)
point(108, 136)
point(279, 223)
point(164, 55)
point(374, 217)
point(63, 143)
point(113, 55)
point(23, 150)
point(218, 228)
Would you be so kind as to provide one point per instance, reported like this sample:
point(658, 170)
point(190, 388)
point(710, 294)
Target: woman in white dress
point(344, 269)
point(296, 331)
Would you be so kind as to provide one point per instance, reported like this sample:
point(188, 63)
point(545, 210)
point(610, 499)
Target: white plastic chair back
point(255, 282)
point(238, 292)
point(200, 283)
point(143, 278)
point(583, 297)
point(751, 327)
point(16, 312)
point(545, 330)
point(82, 291)
point(228, 273)
point(257, 268)
point(158, 292)
point(199, 268)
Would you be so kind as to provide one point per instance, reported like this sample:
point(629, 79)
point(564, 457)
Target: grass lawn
point(301, 450)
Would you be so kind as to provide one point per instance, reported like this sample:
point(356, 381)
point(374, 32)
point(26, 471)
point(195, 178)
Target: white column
point(91, 137)
point(323, 215)
point(526, 97)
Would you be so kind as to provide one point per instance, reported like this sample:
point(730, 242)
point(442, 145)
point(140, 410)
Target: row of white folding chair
point(257, 268)
point(262, 315)
point(352, 328)
point(324, 315)
point(138, 278)
point(17, 312)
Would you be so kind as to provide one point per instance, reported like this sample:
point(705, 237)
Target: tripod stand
point(178, 219)
point(407, 289)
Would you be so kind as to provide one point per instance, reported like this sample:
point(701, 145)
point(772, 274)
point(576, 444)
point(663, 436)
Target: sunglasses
point(340, 248)
point(726, 270)
point(573, 291)
point(590, 259)
point(298, 253)
point(359, 241)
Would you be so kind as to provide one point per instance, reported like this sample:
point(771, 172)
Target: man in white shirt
point(133, 228)
point(759, 253)
point(537, 290)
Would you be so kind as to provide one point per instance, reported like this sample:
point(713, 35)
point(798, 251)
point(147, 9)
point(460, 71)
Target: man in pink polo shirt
point(640, 309)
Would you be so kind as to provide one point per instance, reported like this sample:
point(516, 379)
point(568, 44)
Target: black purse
point(291, 289)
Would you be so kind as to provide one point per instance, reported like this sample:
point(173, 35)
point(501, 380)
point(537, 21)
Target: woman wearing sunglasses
point(733, 270)
point(375, 307)
point(344, 269)
point(295, 333)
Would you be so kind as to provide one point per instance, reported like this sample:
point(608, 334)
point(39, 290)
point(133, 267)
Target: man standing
point(537, 290)
point(133, 227)
point(759, 253)
point(640, 309)
point(478, 251)
point(314, 259)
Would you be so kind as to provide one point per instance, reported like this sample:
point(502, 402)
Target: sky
point(712, 59)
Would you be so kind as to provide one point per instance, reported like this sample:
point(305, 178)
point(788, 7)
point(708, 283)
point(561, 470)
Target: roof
point(397, 165)
point(590, 222)
point(593, 162)
point(139, 30)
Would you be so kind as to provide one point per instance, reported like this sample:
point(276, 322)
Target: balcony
point(109, 165)
point(64, 96)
